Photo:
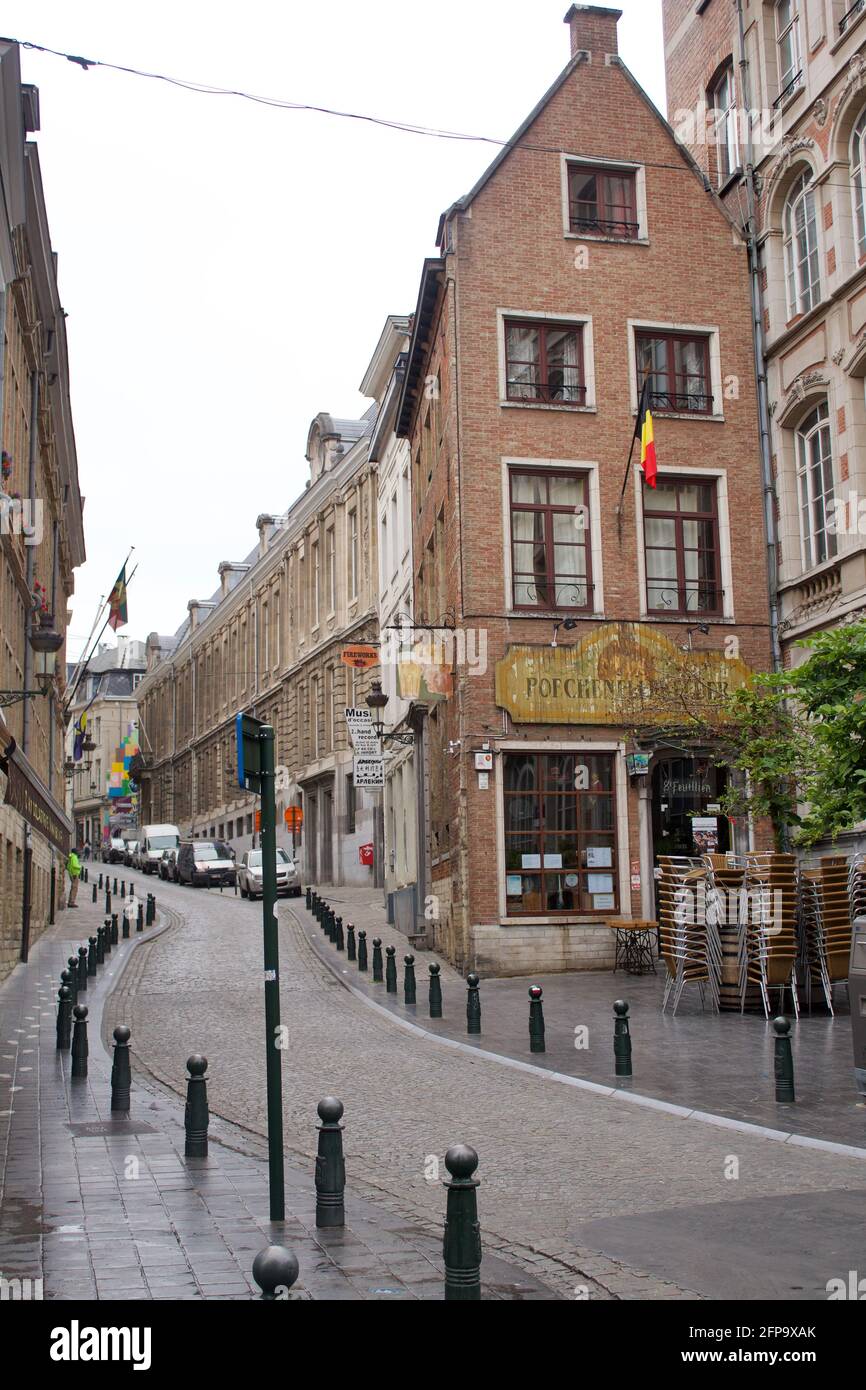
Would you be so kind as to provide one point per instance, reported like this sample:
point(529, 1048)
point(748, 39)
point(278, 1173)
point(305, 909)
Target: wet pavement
point(102, 1206)
point(703, 1062)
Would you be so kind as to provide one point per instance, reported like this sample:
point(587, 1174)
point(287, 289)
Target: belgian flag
point(644, 432)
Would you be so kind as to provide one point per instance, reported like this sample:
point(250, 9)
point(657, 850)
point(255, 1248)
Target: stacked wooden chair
point(727, 906)
point(690, 943)
point(770, 957)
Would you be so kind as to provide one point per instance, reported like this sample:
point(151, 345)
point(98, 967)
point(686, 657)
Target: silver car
point(250, 874)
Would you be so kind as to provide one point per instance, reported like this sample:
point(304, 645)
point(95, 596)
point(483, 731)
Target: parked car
point(129, 853)
point(166, 865)
point(116, 850)
point(201, 864)
point(250, 875)
point(152, 841)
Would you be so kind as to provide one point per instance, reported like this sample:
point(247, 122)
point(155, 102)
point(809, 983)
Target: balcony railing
point(848, 19)
point(794, 85)
point(546, 392)
point(681, 402)
point(700, 597)
point(624, 231)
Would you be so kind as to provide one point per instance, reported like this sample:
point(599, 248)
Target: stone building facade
point(103, 799)
point(268, 642)
point(781, 92)
point(578, 619)
point(41, 532)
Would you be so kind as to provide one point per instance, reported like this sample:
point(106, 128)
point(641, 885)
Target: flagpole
point(89, 658)
point(619, 510)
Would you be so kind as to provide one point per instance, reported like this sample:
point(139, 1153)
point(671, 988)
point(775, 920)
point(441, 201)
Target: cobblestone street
point(576, 1184)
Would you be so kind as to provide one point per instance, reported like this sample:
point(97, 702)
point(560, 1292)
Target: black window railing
point(623, 231)
point(795, 83)
point(701, 597)
point(848, 19)
point(683, 402)
point(547, 595)
point(546, 392)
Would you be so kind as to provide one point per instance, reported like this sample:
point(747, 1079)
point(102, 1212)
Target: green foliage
point(800, 738)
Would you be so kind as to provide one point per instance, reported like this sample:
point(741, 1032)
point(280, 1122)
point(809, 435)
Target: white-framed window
point(802, 253)
point(603, 199)
point(546, 361)
point(723, 100)
point(317, 583)
point(551, 520)
point(331, 568)
point(858, 181)
point(815, 487)
point(788, 45)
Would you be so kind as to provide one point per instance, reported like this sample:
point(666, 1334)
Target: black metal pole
point(272, 975)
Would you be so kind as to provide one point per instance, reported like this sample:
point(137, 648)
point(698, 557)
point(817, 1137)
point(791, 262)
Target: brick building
point(577, 631)
point(41, 534)
point(771, 100)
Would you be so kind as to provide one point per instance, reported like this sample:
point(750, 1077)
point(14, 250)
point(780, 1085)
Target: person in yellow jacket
point(73, 868)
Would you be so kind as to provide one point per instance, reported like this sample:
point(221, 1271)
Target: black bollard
point(408, 979)
point(275, 1270)
point(309, 898)
point(79, 1041)
point(435, 992)
point(114, 931)
point(100, 945)
point(123, 887)
point(125, 928)
point(196, 1113)
point(72, 968)
point(784, 1061)
point(473, 1004)
point(150, 915)
point(115, 888)
point(139, 920)
point(64, 1016)
point(92, 956)
point(377, 960)
point(330, 1167)
point(622, 1039)
point(121, 1076)
point(107, 935)
point(391, 969)
point(350, 941)
point(362, 950)
point(331, 926)
point(100, 883)
point(94, 893)
point(536, 1019)
point(461, 1248)
point(83, 969)
point(107, 899)
point(338, 934)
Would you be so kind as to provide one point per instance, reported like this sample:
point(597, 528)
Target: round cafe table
point(636, 939)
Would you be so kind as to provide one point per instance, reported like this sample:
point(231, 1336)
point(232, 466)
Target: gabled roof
point(462, 204)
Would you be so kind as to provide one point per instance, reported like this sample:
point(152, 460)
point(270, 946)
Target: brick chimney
point(593, 27)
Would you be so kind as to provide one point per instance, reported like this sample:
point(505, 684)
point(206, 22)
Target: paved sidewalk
point(703, 1062)
point(106, 1207)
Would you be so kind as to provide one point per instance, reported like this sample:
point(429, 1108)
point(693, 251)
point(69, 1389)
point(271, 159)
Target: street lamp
point(45, 642)
point(376, 702)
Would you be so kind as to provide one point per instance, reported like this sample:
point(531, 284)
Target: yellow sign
point(621, 673)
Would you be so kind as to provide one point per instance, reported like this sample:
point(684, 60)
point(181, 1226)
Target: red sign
point(361, 656)
point(294, 817)
point(365, 854)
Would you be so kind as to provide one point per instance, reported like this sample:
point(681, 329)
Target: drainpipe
point(31, 490)
point(760, 352)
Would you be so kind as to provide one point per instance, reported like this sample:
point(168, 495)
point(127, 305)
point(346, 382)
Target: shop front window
point(560, 833)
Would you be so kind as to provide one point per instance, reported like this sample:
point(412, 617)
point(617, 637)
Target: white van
point(153, 840)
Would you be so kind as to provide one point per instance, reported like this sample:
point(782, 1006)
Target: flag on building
point(117, 614)
point(644, 432)
point(80, 732)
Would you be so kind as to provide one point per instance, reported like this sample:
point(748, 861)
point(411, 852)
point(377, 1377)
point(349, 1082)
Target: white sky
point(227, 267)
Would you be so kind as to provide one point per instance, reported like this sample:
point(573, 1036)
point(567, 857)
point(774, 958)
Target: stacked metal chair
point(857, 886)
point(828, 891)
point(727, 909)
point(690, 943)
point(770, 958)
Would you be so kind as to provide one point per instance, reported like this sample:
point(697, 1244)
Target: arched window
point(858, 179)
point(802, 267)
point(815, 487)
